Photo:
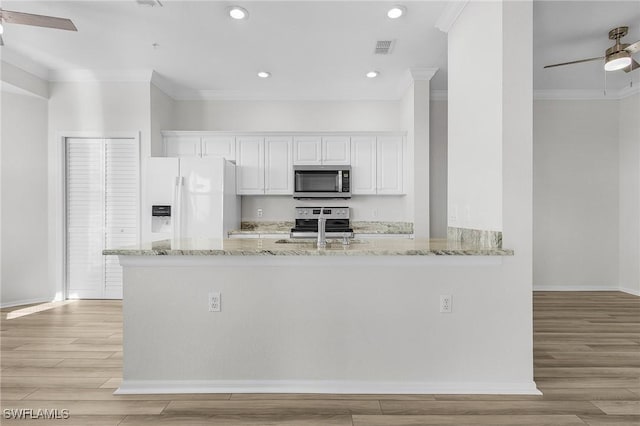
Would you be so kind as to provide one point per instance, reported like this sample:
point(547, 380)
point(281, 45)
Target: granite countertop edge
point(313, 252)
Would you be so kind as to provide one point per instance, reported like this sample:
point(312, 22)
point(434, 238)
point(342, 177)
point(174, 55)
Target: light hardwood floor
point(586, 354)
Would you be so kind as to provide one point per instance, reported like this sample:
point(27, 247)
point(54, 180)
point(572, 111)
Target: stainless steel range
point(337, 224)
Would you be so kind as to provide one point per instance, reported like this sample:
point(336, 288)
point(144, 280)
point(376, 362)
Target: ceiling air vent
point(151, 3)
point(384, 47)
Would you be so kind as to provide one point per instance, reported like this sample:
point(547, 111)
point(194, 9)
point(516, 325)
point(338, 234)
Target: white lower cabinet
point(264, 165)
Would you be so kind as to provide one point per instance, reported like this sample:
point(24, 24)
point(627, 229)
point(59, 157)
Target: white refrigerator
point(190, 198)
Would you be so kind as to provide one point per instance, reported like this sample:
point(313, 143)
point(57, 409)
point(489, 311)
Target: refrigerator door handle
point(177, 208)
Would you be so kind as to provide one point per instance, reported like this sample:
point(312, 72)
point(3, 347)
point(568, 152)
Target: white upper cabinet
point(219, 146)
point(336, 150)
point(307, 150)
point(363, 165)
point(182, 146)
point(278, 168)
point(316, 150)
point(250, 166)
point(390, 162)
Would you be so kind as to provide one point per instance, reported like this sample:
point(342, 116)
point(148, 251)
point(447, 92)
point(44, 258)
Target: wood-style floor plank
point(467, 420)
point(69, 355)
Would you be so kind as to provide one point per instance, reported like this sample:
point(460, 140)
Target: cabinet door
point(219, 146)
point(336, 150)
point(363, 165)
point(250, 166)
point(390, 150)
point(182, 146)
point(278, 170)
point(307, 150)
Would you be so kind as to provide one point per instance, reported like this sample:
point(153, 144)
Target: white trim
point(586, 94)
point(565, 95)
point(26, 302)
point(573, 288)
point(422, 74)
point(635, 292)
point(57, 196)
point(87, 75)
point(230, 95)
point(24, 63)
point(450, 14)
point(164, 85)
point(11, 88)
point(322, 386)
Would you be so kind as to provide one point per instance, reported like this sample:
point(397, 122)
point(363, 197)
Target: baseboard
point(635, 292)
point(573, 288)
point(322, 386)
point(24, 302)
point(584, 288)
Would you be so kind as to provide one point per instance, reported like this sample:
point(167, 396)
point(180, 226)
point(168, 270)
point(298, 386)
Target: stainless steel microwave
point(322, 182)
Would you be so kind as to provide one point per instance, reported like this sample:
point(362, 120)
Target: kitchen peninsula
point(361, 318)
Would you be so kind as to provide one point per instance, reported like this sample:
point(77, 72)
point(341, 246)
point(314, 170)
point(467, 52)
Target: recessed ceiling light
point(372, 74)
point(396, 11)
point(237, 12)
point(264, 74)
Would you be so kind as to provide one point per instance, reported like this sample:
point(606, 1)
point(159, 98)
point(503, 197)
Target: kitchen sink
point(332, 241)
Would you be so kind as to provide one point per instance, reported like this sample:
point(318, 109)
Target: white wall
point(25, 276)
point(629, 195)
point(438, 169)
point(162, 118)
point(98, 109)
point(287, 115)
point(576, 194)
point(475, 122)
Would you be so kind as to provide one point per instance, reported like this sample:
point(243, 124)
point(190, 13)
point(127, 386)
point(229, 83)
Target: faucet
point(322, 221)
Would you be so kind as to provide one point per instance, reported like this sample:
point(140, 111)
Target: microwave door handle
point(339, 181)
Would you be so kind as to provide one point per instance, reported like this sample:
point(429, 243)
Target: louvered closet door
point(102, 178)
point(121, 207)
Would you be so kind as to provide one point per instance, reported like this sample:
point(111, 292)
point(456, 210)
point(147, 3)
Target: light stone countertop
point(287, 247)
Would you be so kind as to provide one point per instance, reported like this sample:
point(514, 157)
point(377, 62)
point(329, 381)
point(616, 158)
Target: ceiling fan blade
point(632, 67)
point(37, 20)
point(633, 48)
point(575, 62)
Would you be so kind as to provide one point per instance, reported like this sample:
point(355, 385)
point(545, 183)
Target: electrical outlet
point(214, 301)
point(259, 212)
point(445, 303)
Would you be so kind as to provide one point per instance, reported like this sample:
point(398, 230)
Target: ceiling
point(313, 49)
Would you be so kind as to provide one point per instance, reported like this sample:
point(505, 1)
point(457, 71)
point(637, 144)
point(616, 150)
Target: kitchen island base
point(326, 324)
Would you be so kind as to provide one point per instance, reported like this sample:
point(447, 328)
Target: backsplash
point(275, 208)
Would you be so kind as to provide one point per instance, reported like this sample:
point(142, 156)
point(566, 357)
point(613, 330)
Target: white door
point(336, 150)
point(250, 166)
point(390, 150)
point(278, 173)
point(219, 146)
point(307, 150)
point(102, 199)
point(182, 146)
point(200, 210)
point(363, 165)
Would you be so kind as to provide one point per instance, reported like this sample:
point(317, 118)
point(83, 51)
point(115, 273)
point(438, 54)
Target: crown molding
point(450, 14)
point(24, 63)
point(225, 95)
point(86, 75)
point(412, 75)
point(585, 94)
point(164, 85)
